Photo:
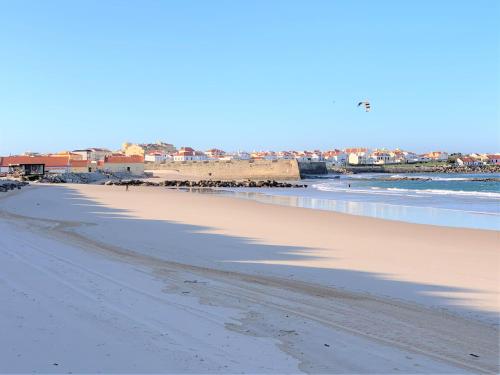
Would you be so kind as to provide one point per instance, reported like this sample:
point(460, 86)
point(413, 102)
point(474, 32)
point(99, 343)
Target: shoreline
point(270, 197)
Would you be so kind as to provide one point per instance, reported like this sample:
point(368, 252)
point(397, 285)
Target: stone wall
point(312, 168)
point(233, 169)
point(135, 169)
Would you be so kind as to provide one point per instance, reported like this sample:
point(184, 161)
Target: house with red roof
point(468, 161)
point(437, 155)
point(185, 154)
point(492, 159)
point(82, 166)
point(335, 157)
point(52, 164)
point(215, 154)
point(133, 164)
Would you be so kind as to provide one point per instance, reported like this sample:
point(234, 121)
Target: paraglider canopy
point(366, 105)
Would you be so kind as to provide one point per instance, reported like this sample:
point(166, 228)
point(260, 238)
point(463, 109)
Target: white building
point(316, 156)
point(200, 156)
point(381, 157)
point(93, 154)
point(468, 161)
point(155, 157)
point(184, 154)
point(335, 158)
point(491, 159)
point(411, 157)
point(437, 155)
point(215, 154)
point(285, 155)
point(240, 155)
point(360, 158)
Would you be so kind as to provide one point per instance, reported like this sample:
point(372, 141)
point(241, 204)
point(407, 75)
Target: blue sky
point(249, 75)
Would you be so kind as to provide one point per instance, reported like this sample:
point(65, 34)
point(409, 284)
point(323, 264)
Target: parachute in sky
point(366, 105)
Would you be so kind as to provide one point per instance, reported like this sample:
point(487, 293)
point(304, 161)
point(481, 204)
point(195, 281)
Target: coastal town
point(134, 158)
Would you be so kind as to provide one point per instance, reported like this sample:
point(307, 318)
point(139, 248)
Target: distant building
point(356, 150)
point(437, 156)
point(133, 149)
point(360, 159)
point(410, 157)
point(381, 157)
point(200, 156)
point(157, 157)
point(70, 155)
point(264, 155)
point(214, 153)
point(285, 155)
point(31, 153)
point(93, 154)
point(123, 164)
point(335, 157)
point(468, 161)
point(308, 156)
point(239, 155)
point(358, 156)
point(316, 155)
point(52, 164)
point(491, 159)
point(142, 149)
point(82, 166)
point(398, 156)
point(185, 154)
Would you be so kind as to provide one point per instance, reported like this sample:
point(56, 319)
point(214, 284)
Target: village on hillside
point(134, 158)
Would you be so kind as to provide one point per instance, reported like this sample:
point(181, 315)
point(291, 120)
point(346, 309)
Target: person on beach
point(126, 187)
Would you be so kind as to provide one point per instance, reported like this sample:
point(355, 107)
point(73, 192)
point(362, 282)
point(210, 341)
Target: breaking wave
point(329, 187)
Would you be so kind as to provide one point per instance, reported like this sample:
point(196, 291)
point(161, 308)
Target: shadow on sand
point(192, 244)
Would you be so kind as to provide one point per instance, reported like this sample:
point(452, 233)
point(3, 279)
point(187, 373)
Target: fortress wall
point(312, 168)
point(233, 169)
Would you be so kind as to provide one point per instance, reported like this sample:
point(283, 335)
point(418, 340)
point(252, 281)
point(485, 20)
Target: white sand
point(148, 241)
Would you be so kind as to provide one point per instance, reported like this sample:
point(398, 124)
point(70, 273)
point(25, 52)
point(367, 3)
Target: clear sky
point(249, 74)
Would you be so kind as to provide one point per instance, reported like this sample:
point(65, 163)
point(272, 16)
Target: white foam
point(400, 191)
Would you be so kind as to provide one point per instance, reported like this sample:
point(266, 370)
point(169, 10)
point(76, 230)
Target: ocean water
point(456, 200)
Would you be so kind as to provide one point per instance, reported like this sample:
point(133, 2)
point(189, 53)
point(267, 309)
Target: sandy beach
point(172, 281)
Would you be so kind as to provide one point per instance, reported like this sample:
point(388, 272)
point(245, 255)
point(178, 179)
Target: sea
point(454, 200)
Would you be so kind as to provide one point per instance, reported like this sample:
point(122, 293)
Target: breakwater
point(283, 170)
point(207, 183)
point(412, 168)
point(7, 185)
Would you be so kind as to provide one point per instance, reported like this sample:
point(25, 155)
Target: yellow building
point(133, 149)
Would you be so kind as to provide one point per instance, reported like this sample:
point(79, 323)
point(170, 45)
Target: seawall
point(420, 168)
point(312, 168)
point(233, 169)
point(284, 170)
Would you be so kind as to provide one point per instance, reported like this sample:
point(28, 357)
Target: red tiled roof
point(124, 159)
point(79, 163)
point(355, 149)
point(185, 153)
point(49, 161)
point(215, 150)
